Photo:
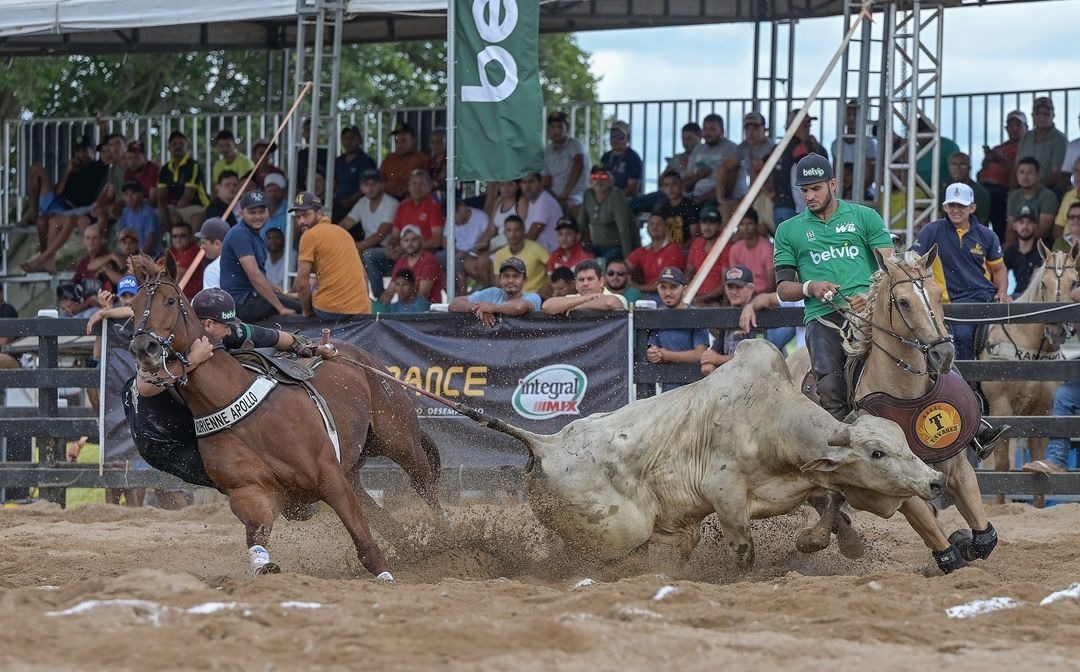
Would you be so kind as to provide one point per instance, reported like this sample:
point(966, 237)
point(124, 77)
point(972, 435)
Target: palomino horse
point(1053, 282)
point(280, 454)
point(907, 351)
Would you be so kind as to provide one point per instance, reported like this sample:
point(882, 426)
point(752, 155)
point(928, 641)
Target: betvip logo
point(813, 172)
point(845, 252)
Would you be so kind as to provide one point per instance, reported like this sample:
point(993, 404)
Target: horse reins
point(1059, 271)
point(924, 348)
point(167, 351)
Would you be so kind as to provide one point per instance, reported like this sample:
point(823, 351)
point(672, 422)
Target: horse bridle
point(168, 353)
point(924, 348)
point(1059, 272)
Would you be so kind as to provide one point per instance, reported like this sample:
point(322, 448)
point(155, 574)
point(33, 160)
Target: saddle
point(937, 425)
point(273, 363)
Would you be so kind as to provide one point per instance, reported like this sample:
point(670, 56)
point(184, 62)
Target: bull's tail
point(531, 440)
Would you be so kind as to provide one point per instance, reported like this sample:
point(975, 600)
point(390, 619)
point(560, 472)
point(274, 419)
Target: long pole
point(240, 192)
point(770, 163)
point(451, 147)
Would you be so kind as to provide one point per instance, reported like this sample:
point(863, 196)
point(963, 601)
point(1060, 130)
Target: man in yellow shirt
point(231, 158)
point(329, 251)
point(531, 252)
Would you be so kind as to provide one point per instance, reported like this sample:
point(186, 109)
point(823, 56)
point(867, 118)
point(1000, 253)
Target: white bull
point(744, 442)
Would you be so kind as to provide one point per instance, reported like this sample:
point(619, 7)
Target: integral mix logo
point(550, 391)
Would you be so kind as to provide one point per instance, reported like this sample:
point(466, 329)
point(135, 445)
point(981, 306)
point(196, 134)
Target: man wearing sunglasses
point(625, 163)
point(606, 219)
point(617, 281)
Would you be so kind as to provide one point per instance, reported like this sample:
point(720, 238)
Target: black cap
point(567, 222)
point(709, 213)
point(370, 175)
point(253, 199)
point(306, 200)
point(811, 169)
point(69, 291)
point(558, 116)
point(81, 142)
point(215, 304)
point(738, 275)
point(514, 263)
point(673, 275)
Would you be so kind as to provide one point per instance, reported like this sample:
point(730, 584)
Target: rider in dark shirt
point(161, 425)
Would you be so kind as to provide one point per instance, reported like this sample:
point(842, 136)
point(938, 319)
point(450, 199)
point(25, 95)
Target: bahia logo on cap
point(550, 391)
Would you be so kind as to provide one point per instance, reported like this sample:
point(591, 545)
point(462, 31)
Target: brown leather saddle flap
point(938, 425)
point(272, 362)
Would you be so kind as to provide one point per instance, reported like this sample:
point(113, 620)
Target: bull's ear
point(841, 438)
point(821, 464)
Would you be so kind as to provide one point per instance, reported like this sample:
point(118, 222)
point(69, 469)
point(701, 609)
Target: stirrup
point(987, 439)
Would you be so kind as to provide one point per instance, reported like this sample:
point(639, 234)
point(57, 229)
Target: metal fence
point(970, 119)
point(52, 425)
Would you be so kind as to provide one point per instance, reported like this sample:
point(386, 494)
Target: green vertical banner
point(499, 103)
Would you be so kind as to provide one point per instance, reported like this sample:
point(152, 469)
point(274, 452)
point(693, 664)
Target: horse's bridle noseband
point(168, 353)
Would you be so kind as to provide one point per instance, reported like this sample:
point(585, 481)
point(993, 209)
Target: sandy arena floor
point(107, 588)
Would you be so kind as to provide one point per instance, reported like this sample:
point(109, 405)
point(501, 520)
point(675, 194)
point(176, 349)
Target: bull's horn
point(530, 439)
point(842, 437)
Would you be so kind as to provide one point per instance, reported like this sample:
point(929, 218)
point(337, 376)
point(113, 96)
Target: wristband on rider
point(806, 288)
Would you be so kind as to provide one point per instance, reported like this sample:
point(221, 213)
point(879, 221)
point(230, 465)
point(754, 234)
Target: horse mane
point(856, 333)
point(143, 267)
point(1034, 285)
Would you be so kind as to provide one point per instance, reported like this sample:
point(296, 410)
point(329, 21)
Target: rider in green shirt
point(827, 252)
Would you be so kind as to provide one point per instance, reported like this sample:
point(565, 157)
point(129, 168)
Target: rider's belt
point(240, 408)
point(938, 425)
point(1003, 350)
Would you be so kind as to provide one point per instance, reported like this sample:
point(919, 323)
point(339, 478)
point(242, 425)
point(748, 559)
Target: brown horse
point(902, 337)
point(280, 455)
point(1037, 341)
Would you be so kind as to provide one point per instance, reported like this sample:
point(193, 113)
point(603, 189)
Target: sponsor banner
point(538, 374)
point(498, 102)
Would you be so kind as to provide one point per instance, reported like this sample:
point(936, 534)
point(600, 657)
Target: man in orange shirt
point(328, 251)
point(397, 166)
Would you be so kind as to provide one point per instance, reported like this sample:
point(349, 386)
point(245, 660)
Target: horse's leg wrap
point(977, 544)
point(949, 560)
point(260, 561)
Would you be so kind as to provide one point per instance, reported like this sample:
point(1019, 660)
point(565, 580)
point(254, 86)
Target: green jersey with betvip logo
point(840, 250)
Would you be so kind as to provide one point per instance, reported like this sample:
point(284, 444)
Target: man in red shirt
point(754, 252)
point(569, 252)
point(711, 292)
point(139, 169)
point(429, 276)
point(184, 249)
point(420, 210)
point(647, 262)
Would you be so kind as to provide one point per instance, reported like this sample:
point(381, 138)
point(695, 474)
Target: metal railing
point(52, 424)
point(970, 119)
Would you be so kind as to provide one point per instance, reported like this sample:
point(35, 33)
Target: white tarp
point(37, 17)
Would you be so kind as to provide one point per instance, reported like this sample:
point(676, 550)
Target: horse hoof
point(385, 577)
point(811, 541)
point(268, 568)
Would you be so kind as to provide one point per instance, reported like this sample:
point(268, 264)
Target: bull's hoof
point(850, 543)
point(268, 568)
point(949, 560)
point(975, 545)
point(811, 540)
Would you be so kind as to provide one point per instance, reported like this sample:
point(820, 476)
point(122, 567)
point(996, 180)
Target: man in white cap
point(966, 247)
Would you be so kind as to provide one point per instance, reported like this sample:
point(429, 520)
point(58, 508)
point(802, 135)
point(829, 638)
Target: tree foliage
point(371, 76)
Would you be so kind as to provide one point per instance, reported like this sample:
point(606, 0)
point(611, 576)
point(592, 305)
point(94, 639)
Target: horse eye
point(171, 301)
point(903, 303)
point(877, 455)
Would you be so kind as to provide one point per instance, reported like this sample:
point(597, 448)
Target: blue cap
point(673, 275)
point(127, 285)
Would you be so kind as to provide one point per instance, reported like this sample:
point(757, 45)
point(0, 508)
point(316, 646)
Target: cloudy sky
point(1003, 48)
